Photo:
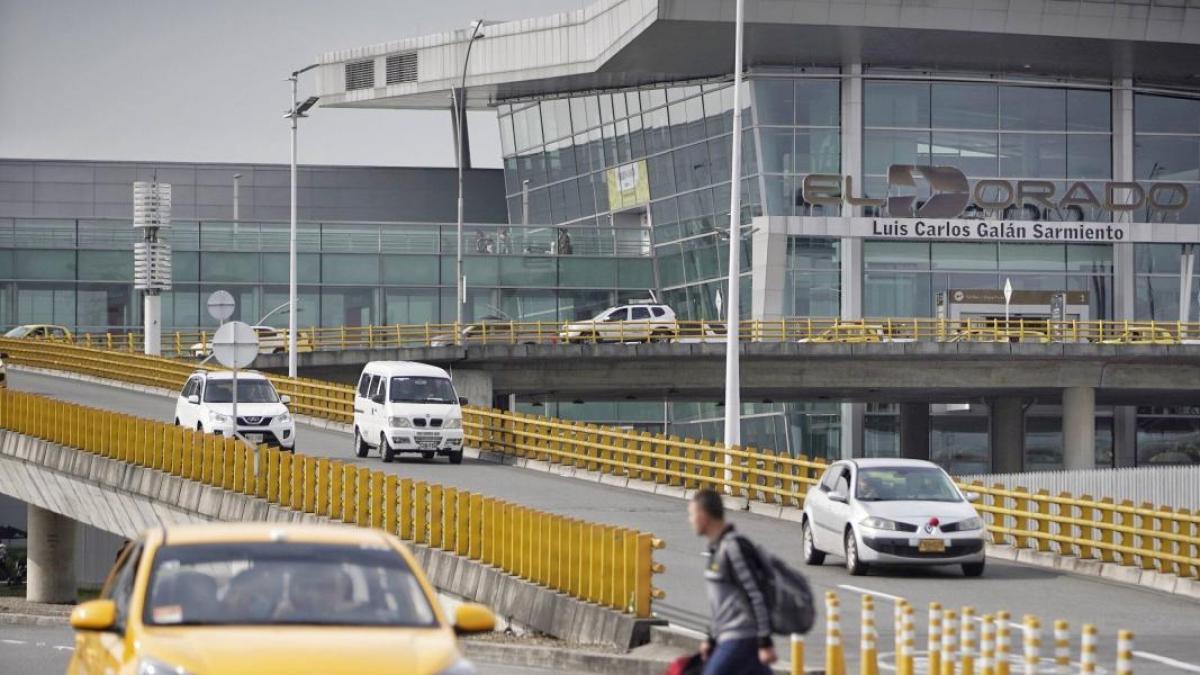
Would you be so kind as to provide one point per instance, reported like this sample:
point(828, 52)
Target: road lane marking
point(13, 642)
point(867, 591)
point(1166, 661)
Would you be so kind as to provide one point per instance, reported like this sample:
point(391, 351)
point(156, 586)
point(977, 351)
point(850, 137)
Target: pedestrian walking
point(739, 639)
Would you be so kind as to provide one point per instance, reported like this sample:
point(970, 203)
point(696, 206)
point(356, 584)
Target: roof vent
point(402, 68)
point(360, 75)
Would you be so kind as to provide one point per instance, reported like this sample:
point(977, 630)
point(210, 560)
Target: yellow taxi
point(267, 599)
point(1142, 335)
point(40, 331)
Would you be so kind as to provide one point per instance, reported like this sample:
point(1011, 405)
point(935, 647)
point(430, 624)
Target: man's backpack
point(789, 597)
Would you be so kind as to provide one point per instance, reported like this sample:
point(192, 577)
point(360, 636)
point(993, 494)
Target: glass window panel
point(507, 142)
point(520, 130)
point(103, 306)
point(1088, 110)
point(1157, 259)
point(776, 101)
point(635, 273)
point(818, 103)
point(46, 303)
point(349, 268)
point(962, 256)
point(39, 264)
point(658, 136)
point(1089, 156)
point(896, 255)
point(637, 138)
point(780, 198)
point(669, 260)
point(718, 105)
point(1166, 158)
point(691, 167)
point(721, 162)
point(229, 267)
point(1096, 258)
point(653, 98)
point(606, 110)
point(778, 152)
point(633, 102)
point(812, 293)
point(528, 271)
point(579, 305)
point(579, 120)
point(1033, 155)
point(419, 270)
point(1164, 114)
point(587, 272)
point(809, 253)
point(591, 111)
point(818, 151)
point(512, 181)
point(549, 121)
point(881, 149)
point(896, 104)
point(963, 106)
point(105, 266)
point(410, 305)
point(974, 153)
point(1033, 108)
point(896, 294)
point(618, 105)
point(1015, 257)
point(610, 144)
point(623, 150)
point(185, 266)
point(348, 306)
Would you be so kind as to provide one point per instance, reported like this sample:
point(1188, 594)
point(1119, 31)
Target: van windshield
point(421, 390)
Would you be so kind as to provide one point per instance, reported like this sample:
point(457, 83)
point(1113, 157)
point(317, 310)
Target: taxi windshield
point(19, 332)
point(909, 483)
point(284, 583)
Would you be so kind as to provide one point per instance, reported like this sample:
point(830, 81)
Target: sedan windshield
point(421, 390)
point(249, 391)
point(908, 483)
point(274, 583)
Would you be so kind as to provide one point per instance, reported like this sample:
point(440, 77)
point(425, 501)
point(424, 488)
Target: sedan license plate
point(427, 445)
point(254, 438)
point(931, 546)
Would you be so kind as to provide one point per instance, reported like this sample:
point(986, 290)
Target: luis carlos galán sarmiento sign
point(941, 215)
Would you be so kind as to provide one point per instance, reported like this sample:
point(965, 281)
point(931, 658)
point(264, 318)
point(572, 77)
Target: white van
point(401, 406)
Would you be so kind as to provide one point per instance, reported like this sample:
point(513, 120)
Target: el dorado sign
point(951, 193)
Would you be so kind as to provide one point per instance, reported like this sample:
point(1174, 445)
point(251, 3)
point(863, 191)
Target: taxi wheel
point(973, 569)
point(360, 446)
point(854, 565)
point(385, 450)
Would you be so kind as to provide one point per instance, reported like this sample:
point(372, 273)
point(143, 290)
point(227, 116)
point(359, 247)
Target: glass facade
point(79, 272)
point(1167, 146)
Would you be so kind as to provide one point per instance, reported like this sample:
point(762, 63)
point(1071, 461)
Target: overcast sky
point(203, 80)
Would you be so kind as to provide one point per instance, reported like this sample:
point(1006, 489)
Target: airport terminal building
point(897, 155)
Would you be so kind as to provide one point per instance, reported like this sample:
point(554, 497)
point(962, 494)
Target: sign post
point(235, 344)
point(1008, 290)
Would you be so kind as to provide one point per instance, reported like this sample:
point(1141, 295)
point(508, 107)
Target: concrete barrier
point(124, 499)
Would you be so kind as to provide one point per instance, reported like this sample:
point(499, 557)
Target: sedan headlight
point(876, 523)
point(285, 418)
point(972, 523)
point(453, 423)
point(219, 418)
point(148, 665)
point(459, 667)
point(400, 422)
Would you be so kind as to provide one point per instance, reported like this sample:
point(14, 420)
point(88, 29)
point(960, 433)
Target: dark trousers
point(735, 657)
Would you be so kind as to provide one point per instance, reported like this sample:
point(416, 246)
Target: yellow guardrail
point(792, 329)
point(607, 565)
point(1161, 538)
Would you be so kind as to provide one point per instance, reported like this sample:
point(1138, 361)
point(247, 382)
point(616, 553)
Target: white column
point(152, 323)
point(850, 249)
point(1079, 428)
point(51, 573)
point(769, 269)
point(1122, 170)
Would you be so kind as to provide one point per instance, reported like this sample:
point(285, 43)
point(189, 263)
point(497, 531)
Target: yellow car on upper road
point(40, 331)
point(269, 599)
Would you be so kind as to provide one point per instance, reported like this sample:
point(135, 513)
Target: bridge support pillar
point(914, 430)
point(1079, 428)
point(1006, 433)
point(51, 573)
point(474, 385)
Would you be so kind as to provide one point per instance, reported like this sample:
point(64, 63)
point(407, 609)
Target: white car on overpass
point(206, 404)
point(891, 512)
point(626, 323)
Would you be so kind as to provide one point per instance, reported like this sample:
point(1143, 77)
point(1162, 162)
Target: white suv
point(206, 404)
point(626, 323)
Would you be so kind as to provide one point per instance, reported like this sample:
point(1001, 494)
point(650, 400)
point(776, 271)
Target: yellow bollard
point(935, 638)
point(949, 642)
point(797, 654)
point(908, 647)
point(835, 663)
point(1003, 643)
point(1087, 650)
point(1062, 643)
point(868, 652)
point(897, 632)
point(1124, 652)
point(987, 645)
point(1033, 644)
point(968, 641)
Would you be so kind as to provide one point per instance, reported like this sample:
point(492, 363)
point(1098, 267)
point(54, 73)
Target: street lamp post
point(459, 128)
point(733, 398)
point(294, 113)
point(237, 183)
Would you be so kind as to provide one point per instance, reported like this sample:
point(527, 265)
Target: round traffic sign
point(235, 344)
point(220, 305)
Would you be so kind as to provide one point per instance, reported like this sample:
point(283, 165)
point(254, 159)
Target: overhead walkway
point(608, 498)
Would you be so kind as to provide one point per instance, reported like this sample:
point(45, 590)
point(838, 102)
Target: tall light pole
point(460, 108)
point(733, 394)
point(237, 183)
point(294, 114)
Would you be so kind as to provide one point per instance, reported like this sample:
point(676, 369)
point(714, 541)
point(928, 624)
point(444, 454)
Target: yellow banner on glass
point(628, 185)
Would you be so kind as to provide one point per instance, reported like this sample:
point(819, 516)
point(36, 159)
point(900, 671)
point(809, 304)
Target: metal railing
point(1163, 538)
point(607, 565)
point(811, 330)
point(1178, 485)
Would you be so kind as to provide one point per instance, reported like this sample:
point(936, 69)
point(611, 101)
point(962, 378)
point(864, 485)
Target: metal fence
point(1176, 485)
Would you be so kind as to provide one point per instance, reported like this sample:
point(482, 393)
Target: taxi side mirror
point(972, 496)
point(194, 399)
point(285, 399)
point(473, 618)
point(837, 496)
point(94, 615)
point(462, 400)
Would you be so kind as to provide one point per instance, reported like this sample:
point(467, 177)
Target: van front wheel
point(360, 446)
point(456, 456)
point(385, 450)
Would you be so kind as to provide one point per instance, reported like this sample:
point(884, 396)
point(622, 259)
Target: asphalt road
point(1166, 626)
point(29, 650)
